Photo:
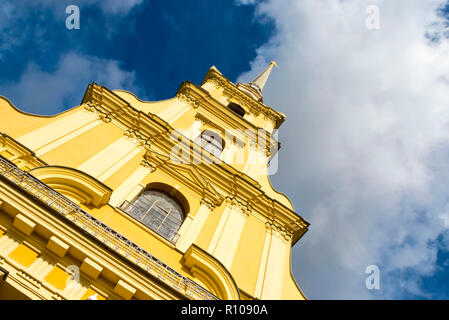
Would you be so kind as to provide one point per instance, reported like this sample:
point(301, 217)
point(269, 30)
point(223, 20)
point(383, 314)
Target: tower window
point(158, 211)
point(211, 142)
point(237, 109)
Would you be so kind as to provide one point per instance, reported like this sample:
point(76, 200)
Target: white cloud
point(365, 147)
point(245, 2)
point(49, 93)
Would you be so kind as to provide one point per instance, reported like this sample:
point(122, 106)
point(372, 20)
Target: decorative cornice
point(138, 139)
point(149, 164)
point(29, 278)
point(205, 120)
point(94, 106)
point(21, 154)
point(185, 97)
point(278, 230)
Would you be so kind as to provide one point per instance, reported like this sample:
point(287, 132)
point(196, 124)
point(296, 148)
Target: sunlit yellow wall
point(76, 151)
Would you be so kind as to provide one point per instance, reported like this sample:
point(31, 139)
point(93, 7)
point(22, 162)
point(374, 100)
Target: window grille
point(158, 211)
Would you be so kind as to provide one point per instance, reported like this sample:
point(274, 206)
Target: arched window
point(158, 211)
point(211, 142)
point(237, 108)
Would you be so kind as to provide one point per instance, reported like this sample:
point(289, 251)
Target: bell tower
point(121, 198)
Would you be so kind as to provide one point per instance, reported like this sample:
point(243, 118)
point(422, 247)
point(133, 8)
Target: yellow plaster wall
point(16, 123)
point(210, 226)
point(185, 122)
point(76, 151)
point(244, 268)
point(125, 171)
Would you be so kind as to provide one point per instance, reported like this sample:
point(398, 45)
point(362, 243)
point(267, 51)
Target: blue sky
point(365, 148)
point(162, 43)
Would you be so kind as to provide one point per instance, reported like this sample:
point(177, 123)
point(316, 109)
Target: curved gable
point(74, 184)
point(210, 271)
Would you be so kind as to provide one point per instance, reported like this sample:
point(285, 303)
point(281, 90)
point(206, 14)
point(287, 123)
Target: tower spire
point(255, 87)
point(262, 78)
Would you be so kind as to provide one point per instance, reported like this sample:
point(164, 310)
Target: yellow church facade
point(120, 198)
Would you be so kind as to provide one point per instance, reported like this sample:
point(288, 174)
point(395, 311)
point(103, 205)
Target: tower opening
point(237, 109)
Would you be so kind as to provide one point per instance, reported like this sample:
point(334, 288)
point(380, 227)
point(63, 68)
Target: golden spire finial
point(260, 81)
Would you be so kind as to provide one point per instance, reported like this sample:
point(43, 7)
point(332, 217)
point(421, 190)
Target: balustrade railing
point(102, 232)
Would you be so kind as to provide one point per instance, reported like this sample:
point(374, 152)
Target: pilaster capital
point(138, 139)
point(233, 203)
point(150, 165)
point(278, 231)
point(95, 106)
point(209, 204)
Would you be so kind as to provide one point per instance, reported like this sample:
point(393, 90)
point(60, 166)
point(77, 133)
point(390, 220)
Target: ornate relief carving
point(185, 97)
point(29, 278)
point(18, 153)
